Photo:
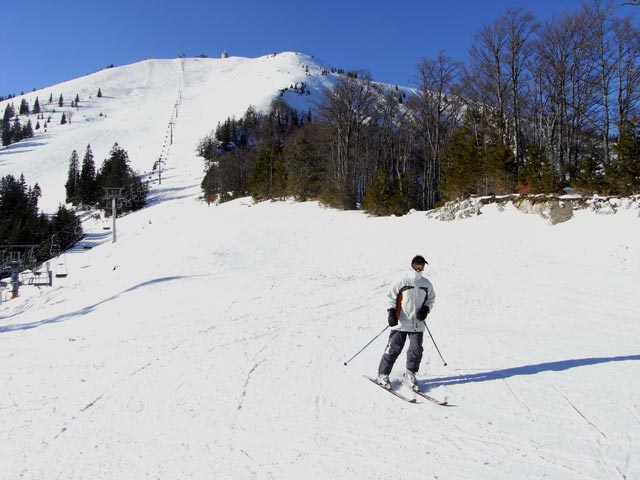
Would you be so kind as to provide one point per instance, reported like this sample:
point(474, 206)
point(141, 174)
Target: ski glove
point(393, 321)
point(422, 313)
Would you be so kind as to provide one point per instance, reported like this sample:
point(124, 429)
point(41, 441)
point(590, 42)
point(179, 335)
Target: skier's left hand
point(422, 313)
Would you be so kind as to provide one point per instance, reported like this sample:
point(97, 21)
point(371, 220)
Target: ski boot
point(410, 381)
point(383, 379)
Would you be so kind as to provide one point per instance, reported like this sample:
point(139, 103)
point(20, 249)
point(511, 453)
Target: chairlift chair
point(61, 267)
point(54, 249)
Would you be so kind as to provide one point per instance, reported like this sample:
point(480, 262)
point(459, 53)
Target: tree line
point(23, 224)
point(540, 106)
point(11, 128)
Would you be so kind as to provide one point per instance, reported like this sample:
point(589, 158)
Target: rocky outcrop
point(554, 208)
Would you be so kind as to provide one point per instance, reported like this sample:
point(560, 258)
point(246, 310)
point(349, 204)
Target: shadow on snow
point(558, 366)
point(89, 308)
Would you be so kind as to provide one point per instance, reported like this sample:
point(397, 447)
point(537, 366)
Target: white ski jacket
point(407, 296)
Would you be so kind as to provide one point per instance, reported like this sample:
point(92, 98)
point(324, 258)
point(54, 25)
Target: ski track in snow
point(209, 341)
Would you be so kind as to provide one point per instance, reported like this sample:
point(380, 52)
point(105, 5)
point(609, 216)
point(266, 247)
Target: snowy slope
point(143, 104)
point(208, 341)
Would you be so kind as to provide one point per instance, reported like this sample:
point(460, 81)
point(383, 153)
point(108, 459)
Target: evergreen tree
point(624, 175)
point(51, 98)
point(269, 179)
point(115, 169)
point(72, 186)
point(21, 223)
point(538, 175)
point(19, 212)
point(77, 100)
point(24, 107)
point(499, 169)
point(115, 172)
point(462, 165)
point(67, 227)
point(60, 101)
point(383, 196)
point(36, 106)
point(305, 171)
point(63, 120)
point(13, 210)
point(27, 130)
point(16, 131)
point(5, 126)
point(99, 93)
point(9, 111)
point(87, 192)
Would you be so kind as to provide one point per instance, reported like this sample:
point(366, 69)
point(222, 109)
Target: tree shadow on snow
point(558, 366)
point(160, 196)
point(89, 308)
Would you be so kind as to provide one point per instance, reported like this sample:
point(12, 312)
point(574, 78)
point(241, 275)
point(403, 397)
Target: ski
point(430, 398)
point(391, 391)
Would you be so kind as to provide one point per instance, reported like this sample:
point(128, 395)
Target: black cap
point(419, 260)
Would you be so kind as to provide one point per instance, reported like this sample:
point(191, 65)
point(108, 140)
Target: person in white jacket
point(410, 299)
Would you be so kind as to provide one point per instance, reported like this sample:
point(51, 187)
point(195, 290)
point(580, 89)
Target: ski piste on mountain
point(406, 398)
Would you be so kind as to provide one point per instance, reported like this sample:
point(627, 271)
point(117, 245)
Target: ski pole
point(434, 343)
point(370, 342)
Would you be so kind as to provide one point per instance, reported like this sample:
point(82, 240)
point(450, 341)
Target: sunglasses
point(418, 267)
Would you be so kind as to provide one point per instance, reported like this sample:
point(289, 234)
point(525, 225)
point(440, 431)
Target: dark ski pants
point(396, 343)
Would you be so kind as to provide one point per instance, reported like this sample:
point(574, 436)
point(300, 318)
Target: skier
point(411, 299)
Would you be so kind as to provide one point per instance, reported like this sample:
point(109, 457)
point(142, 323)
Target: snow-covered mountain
point(153, 109)
point(209, 341)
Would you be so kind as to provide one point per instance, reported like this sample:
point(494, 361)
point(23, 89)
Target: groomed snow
point(209, 341)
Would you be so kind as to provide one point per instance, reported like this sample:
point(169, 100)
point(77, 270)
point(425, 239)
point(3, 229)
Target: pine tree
point(383, 196)
point(73, 179)
point(36, 106)
point(304, 168)
point(21, 223)
point(63, 120)
point(77, 100)
point(16, 130)
point(60, 101)
point(115, 172)
point(24, 107)
point(67, 226)
point(538, 175)
point(99, 93)
point(624, 175)
point(462, 165)
point(51, 98)
point(9, 112)
point(5, 126)
point(27, 130)
point(268, 179)
point(87, 189)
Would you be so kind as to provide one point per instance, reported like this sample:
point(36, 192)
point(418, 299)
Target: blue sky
point(46, 42)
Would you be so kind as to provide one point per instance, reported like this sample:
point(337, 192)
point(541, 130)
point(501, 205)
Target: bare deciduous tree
point(435, 113)
point(346, 109)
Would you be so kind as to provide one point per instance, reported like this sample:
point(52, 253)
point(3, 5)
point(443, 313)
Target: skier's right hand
point(393, 321)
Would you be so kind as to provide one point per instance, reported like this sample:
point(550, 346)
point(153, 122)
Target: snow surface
point(209, 341)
